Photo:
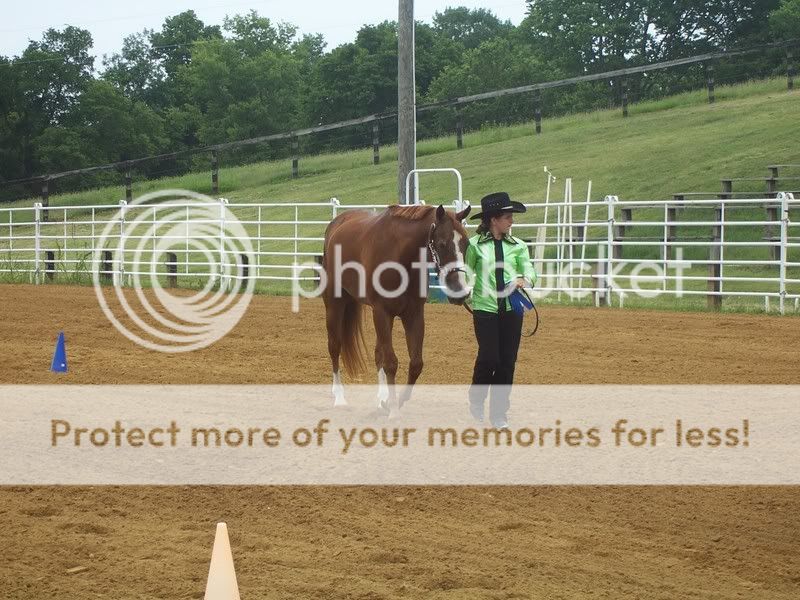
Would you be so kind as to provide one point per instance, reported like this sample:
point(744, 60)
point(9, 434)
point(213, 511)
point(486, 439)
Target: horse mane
point(410, 212)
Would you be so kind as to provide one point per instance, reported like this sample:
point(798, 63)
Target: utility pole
point(406, 100)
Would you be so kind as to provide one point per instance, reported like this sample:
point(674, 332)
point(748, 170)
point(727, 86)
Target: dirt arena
point(386, 542)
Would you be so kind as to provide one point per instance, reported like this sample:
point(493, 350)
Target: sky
point(109, 21)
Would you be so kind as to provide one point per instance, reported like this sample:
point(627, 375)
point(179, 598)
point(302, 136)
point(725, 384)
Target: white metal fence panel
point(606, 249)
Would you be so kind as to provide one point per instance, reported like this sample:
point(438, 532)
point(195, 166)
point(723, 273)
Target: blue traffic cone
point(59, 356)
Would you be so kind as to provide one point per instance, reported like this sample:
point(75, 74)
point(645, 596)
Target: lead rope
point(535, 314)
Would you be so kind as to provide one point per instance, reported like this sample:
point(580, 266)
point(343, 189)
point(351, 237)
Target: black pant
point(498, 336)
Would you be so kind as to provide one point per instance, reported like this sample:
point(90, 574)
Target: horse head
point(447, 242)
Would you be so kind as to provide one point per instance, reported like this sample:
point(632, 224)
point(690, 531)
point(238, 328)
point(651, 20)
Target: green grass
point(680, 143)
point(677, 144)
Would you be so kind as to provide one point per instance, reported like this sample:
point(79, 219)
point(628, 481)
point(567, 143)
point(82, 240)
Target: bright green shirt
point(480, 260)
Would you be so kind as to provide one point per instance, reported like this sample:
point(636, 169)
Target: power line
point(426, 16)
point(63, 59)
point(162, 47)
point(139, 16)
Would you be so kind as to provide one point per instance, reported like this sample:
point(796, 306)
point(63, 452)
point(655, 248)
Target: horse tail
point(351, 333)
point(353, 345)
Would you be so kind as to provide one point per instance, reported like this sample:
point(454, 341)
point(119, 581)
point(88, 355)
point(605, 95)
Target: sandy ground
point(385, 542)
point(273, 345)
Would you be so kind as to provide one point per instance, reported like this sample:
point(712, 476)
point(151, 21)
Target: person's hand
point(520, 282)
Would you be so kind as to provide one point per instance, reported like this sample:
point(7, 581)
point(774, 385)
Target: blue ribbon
point(520, 301)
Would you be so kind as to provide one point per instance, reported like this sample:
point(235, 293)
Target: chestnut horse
point(363, 257)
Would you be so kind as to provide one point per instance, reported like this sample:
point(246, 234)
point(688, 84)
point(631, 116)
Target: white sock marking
point(383, 388)
point(338, 390)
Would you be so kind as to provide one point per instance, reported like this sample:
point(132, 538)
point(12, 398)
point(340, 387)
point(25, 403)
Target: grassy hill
point(679, 144)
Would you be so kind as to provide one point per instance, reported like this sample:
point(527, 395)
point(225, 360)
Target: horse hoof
point(338, 398)
point(380, 412)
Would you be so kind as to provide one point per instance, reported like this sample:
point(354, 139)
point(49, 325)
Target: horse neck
point(413, 237)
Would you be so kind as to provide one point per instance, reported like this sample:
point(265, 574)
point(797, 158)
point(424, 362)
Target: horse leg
point(414, 325)
point(334, 313)
point(383, 389)
point(383, 332)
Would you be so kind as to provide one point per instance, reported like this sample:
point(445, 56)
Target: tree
point(182, 125)
point(357, 78)
point(115, 128)
point(241, 96)
point(470, 27)
point(60, 148)
point(494, 65)
point(587, 37)
point(309, 49)
point(254, 34)
point(136, 72)
point(12, 123)
point(173, 45)
point(54, 71)
point(729, 23)
point(592, 37)
point(583, 37)
point(103, 127)
point(361, 77)
point(784, 21)
point(434, 52)
point(40, 89)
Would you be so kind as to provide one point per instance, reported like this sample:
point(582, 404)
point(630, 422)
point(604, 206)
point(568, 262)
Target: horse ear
point(440, 212)
point(461, 215)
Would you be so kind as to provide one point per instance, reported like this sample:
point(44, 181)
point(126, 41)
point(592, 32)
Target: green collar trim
point(486, 237)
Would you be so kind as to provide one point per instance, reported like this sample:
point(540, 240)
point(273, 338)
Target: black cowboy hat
point(498, 203)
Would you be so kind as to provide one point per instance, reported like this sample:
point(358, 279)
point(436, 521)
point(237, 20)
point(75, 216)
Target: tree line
point(191, 84)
